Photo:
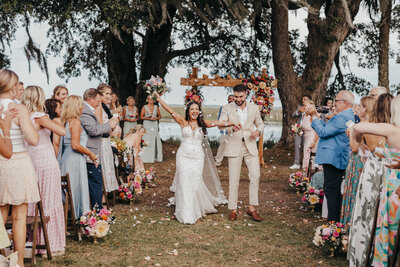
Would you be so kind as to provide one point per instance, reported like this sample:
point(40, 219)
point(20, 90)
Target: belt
point(242, 139)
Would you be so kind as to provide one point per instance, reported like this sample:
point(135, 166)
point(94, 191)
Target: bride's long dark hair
point(200, 120)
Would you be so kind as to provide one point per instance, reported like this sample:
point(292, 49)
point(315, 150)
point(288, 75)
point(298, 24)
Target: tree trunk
point(121, 65)
point(155, 47)
point(323, 42)
point(384, 32)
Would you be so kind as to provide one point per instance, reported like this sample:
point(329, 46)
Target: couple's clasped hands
point(238, 126)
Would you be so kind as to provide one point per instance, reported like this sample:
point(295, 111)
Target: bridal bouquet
point(296, 128)
point(299, 181)
point(332, 235)
point(96, 223)
point(313, 197)
point(155, 84)
point(143, 144)
point(119, 144)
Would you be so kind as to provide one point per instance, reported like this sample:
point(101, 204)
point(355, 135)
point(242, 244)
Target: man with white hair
point(377, 91)
point(333, 149)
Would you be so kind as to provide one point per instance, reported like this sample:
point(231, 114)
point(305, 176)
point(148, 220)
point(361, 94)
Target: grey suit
point(298, 140)
point(95, 131)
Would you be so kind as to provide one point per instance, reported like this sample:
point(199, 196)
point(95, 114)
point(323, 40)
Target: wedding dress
point(196, 184)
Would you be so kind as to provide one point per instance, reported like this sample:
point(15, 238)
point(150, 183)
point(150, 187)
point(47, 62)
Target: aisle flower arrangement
point(96, 223)
point(148, 177)
point(155, 84)
point(313, 198)
point(298, 181)
point(193, 94)
point(263, 94)
point(333, 236)
point(297, 129)
point(128, 191)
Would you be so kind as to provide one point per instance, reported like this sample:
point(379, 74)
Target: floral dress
point(389, 212)
point(351, 179)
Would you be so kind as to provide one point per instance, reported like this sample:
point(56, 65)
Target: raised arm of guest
point(56, 128)
point(76, 130)
point(389, 131)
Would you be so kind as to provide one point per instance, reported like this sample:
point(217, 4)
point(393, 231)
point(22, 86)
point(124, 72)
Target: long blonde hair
point(368, 103)
point(71, 108)
point(135, 129)
point(33, 98)
point(395, 110)
point(8, 79)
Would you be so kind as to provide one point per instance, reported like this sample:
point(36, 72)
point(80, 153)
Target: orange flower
point(271, 99)
point(121, 194)
point(189, 93)
point(196, 98)
point(104, 217)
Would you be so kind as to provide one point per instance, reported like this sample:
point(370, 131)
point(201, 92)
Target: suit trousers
point(95, 185)
point(220, 152)
point(298, 142)
point(332, 182)
point(235, 166)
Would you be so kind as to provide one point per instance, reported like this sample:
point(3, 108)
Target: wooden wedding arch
point(217, 81)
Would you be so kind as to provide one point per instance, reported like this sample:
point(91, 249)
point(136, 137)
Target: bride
point(196, 184)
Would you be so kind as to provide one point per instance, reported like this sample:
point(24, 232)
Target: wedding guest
point(116, 110)
point(94, 130)
point(222, 141)
point(333, 149)
point(134, 139)
point(376, 91)
point(298, 139)
point(150, 115)
point(53, 109)
point(60, 92)
point(388, 214)
point(328, 109)
point(129, 114)
point(18, 182)
point(6, 152)
point(72, 153)
point(369, 186)
point(310, 138)
point(103, 114)
point(47, 171)
point(20, 91)
point(115, 102)
point(355, 166)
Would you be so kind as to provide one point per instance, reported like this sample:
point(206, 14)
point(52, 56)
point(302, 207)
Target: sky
point(212, 95)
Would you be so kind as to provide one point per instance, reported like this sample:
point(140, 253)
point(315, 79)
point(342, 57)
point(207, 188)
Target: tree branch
point(186, 52)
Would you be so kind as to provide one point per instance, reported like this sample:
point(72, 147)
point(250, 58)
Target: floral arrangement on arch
point(155, 84)
point(263, 94)
point(332, 235)
point(297, 129)
point(193, 94)
point(313, 197)
point(299, 181)
point(96, 223)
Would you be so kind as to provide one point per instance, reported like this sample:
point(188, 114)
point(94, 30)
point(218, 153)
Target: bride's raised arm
point(211, 124)
point(178, 118)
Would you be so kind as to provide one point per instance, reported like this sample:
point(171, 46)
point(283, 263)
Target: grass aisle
point(145, 234)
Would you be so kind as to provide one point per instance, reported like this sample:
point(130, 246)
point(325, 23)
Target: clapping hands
point(237, 127)
point(311, 110)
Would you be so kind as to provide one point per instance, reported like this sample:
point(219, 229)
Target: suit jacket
point(334, 146)
point(234, 139)
point(94, 130)
point(298, 115)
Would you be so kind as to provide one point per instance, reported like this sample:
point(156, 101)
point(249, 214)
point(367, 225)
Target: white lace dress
point(192, 198)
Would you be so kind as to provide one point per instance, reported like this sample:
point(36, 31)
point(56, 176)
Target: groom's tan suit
point(240, 145)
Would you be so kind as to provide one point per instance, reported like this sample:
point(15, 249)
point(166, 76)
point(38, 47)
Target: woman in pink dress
point(134, 139)
point(47, 170)
point(310, 139)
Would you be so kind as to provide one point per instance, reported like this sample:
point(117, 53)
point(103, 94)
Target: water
point(173, 130)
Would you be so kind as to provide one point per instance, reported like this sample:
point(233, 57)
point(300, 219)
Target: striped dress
point(389, 212)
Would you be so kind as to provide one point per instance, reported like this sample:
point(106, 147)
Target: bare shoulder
point(75, 122)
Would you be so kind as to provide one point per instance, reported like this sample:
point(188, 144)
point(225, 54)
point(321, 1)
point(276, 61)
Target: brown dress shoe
point(233, 215)
point(253, 214)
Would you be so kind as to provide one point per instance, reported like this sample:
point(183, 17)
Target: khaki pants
point(220, 152)
point(235, 166)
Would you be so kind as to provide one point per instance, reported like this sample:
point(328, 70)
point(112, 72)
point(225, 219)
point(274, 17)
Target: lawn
point(145, 234)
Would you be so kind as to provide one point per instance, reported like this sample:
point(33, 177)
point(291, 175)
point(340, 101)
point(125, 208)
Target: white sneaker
point(294, 167)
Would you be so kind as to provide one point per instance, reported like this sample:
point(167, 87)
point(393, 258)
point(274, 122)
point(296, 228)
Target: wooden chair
point(105, 194)
point(32, 222)
point(372, 237)
point(69, 205)
point(310, 170)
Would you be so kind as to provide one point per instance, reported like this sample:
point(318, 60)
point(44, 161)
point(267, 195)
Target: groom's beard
point(239, 103)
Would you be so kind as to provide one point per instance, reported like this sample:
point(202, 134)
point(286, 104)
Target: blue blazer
point(334, 145)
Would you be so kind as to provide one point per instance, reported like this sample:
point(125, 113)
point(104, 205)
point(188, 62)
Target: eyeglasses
point(336, 100)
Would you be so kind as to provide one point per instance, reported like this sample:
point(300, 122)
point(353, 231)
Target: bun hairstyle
point(8, 79)
point(58, 89)
point(135, 129)
point(200, 119)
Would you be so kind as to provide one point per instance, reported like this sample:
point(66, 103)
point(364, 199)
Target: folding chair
point(69, 204)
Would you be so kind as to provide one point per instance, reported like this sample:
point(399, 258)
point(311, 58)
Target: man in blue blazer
point(333, 150)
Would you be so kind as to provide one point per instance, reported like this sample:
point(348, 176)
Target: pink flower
point(341, 225)
point(105, 212)
point(321, 200)
point(298, 174)
point(304, 199)
point(326, 231)
point(92, 222)
point(149, 177)
point(129, 195)
point(311, 191)
point(126, 189)
point(119, 189)
point(297, 183)
point(335, 234)
point(321, 193)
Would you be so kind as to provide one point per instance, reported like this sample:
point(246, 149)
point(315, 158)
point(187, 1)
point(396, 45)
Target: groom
point(241, 144)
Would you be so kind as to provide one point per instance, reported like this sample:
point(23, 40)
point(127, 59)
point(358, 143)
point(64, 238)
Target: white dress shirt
point(242, 113)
